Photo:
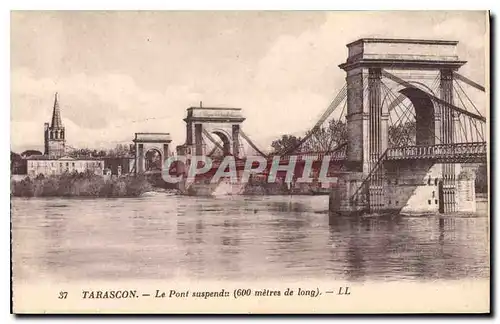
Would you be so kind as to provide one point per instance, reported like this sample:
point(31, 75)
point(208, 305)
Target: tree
point(17, 164)
point(326, 138)
point(84, 152)
point(323, 139)
point(15, 157)
point(403, 134)
point(285, 143)
point(30, 153)
point(121, 150)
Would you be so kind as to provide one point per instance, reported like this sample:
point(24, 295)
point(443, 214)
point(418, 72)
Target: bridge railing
point(316, 155)
point(437, 151)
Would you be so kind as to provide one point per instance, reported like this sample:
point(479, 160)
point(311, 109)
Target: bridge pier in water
point(418, 188)
point(377, 178)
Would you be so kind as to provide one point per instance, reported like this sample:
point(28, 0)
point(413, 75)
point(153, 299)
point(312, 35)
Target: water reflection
point(412, 247)
point(239, 238)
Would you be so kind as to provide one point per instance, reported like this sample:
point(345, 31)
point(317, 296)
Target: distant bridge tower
point(204, 122)
point(151, 150)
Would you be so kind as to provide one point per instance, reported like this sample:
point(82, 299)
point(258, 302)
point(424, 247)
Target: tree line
point(120, 150)
point(332, 135)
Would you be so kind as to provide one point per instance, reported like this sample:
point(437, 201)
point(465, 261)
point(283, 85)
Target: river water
point(238, 238)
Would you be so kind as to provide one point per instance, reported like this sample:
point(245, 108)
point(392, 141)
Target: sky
point(118, 73)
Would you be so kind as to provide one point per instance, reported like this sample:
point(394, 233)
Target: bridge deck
point(440, 153)
point(452, 153)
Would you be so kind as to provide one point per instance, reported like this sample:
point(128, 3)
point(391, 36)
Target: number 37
point(63, 295)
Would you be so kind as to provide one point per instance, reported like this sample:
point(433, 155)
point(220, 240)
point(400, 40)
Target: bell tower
point(54, 133)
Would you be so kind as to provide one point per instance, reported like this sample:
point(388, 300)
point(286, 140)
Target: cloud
point(95, 109)
point(300, 75)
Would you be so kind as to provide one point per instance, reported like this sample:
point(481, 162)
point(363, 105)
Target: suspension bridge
point(410, 138)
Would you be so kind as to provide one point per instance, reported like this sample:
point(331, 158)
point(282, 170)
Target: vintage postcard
point(262, 162)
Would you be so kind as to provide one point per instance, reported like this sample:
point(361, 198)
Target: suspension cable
point(434, 98)
point(397, 101)
point(469, 81)
point(408, 109)
point(333, 105)
point(251, 143)
point(435, 84)
point(475, 126)
point(405, 111)
point(210, 137)
point(386, 90)
point(460, 115)
point(466, 96)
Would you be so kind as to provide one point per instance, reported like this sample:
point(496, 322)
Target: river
point(238, 238)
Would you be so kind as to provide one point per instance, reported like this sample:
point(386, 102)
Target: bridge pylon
point(151, 150)
point(202, 123)
point(384, 73)
point(214, 132)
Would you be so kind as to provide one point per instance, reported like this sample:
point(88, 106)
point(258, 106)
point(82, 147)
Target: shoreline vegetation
point(80, 185)
point(94, 186)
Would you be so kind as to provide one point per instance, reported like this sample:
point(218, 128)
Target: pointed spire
point(56, 115)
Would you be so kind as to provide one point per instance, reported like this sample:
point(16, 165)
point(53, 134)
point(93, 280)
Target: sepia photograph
point(250, 162)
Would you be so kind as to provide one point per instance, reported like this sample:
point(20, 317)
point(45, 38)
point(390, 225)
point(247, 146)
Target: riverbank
point(80, 185)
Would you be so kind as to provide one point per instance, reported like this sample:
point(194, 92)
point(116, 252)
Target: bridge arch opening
point(424, 116)
point(411, 118)
point(153, 160)
point(225, 142)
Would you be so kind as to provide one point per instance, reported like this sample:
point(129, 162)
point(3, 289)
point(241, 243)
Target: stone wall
point(412, 188)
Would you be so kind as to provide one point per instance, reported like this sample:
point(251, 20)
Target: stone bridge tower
point(204, 122)
point(410, 69)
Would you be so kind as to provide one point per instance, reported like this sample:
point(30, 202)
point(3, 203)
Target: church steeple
point(56, 115)
point(55, 141)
